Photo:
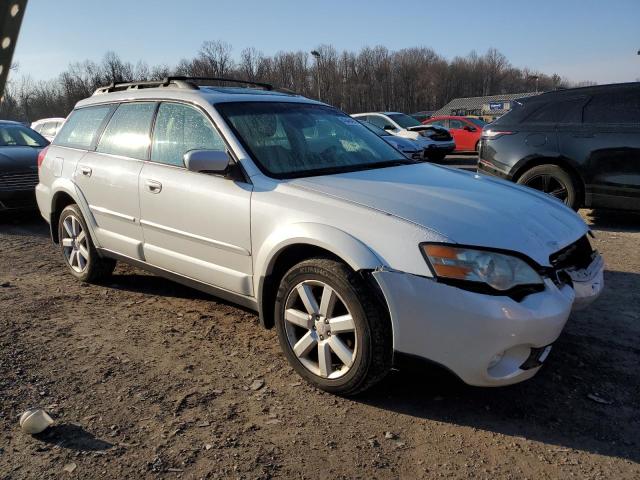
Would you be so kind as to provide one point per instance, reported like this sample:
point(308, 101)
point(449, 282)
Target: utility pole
point(316, 54)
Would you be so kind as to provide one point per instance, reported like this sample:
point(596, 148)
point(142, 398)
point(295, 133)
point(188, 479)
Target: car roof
point(588, 90)
point(52, 119)
point(10, 122)
point(211, 95)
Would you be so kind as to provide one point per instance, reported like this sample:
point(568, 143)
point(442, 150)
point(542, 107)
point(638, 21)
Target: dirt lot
point(148, 379)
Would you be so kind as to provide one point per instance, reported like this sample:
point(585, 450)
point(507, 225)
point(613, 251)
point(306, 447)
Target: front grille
point(577, 256)
point(18, 181)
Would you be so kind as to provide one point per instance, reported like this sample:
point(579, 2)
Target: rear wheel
point(553, 180)
point(79, 253)
point(332, 330)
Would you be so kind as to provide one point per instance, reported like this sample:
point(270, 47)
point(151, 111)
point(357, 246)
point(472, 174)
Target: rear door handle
point(86, 171)
point(153, 186)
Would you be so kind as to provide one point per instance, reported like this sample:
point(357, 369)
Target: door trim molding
point(191, 236)
point(111, 213)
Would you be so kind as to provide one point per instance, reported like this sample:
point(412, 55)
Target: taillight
point(41, 155)
point(493, 134)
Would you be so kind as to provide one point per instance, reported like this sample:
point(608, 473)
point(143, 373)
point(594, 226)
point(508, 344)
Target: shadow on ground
point(614, 220)
point(23, 223)
point(73, 437)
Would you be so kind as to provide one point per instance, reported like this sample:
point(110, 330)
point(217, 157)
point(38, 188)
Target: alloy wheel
point(75, 244)
point(550, 185)
point(320, 329)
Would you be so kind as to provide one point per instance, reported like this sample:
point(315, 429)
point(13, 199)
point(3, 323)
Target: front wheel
point(553, 180)
point(79, 253)
point(331, 328)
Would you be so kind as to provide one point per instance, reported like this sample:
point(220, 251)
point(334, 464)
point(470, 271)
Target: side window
point(80, 129)
point(180, 128)
point(379, 121)
point(49, 128)
point(565, 111)
point(127, 133)
point(621, 108)
point(455, 124)
point(38, 128)
point(441, 123)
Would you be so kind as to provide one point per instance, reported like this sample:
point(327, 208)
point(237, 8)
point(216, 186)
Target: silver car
point(359, 256)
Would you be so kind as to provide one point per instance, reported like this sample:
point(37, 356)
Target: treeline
point(406, 80)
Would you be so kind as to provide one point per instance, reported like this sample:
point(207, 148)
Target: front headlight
point(499, 271)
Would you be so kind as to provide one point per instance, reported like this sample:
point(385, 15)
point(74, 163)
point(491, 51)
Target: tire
point(436, 157)
point(78, 251)
point(555, 181)
point(367, 337)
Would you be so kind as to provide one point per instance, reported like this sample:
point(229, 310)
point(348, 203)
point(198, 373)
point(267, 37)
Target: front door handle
point(86, 171)
point(153, 186)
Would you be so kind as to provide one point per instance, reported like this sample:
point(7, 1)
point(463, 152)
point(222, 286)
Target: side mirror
point(470, 129)
point(390, 128)
point(209, 161)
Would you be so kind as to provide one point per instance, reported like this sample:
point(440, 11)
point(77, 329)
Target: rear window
point(15, 135)
point(80, 130)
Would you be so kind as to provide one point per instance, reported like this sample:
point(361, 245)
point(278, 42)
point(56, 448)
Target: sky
point(583, 40)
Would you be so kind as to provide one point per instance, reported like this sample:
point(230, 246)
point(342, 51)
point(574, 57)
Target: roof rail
point(266, 86)
point(176, 81)
point(120, 86)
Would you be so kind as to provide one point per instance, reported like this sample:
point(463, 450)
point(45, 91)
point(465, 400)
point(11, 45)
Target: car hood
point(405, 144)
point(461, 207)
point(13, 159)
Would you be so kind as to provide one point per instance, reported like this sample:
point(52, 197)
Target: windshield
point(405, 121)
point(20, 136)
point(477, 121)
point(289, 140)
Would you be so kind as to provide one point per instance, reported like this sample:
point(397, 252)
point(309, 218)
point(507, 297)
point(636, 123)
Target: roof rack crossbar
point(266, 86)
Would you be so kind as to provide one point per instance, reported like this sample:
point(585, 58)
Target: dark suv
point(581, 145)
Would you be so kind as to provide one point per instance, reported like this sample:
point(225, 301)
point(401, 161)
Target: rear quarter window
point(82, 126)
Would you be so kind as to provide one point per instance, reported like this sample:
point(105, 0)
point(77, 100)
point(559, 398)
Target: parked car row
point(435, 141)
point(48, 127)
point(360, 257)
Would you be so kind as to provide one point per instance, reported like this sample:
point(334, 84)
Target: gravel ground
point(148, 379)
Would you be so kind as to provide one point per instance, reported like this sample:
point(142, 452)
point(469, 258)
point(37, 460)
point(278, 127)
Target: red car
point(466, 131)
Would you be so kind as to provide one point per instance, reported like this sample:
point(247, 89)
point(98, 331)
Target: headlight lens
point(498, 270)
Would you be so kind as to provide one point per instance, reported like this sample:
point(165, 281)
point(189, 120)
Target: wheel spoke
point(324, 359)
point(67, 226)
point(546, 183)
point(67, 242)
point(341, 350)
point(327, 302)
point(83, 253)
point(305, 344)
point(342, 324)
point(72, 256)
point(306, 295)
point(81, 236)
point(298, 318)
point(74, 226)
point(82, 261)
point(559, 193)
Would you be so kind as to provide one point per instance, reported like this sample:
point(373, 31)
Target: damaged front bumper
point(486, 340)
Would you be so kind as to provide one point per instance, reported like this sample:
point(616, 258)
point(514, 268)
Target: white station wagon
point(357, 255)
